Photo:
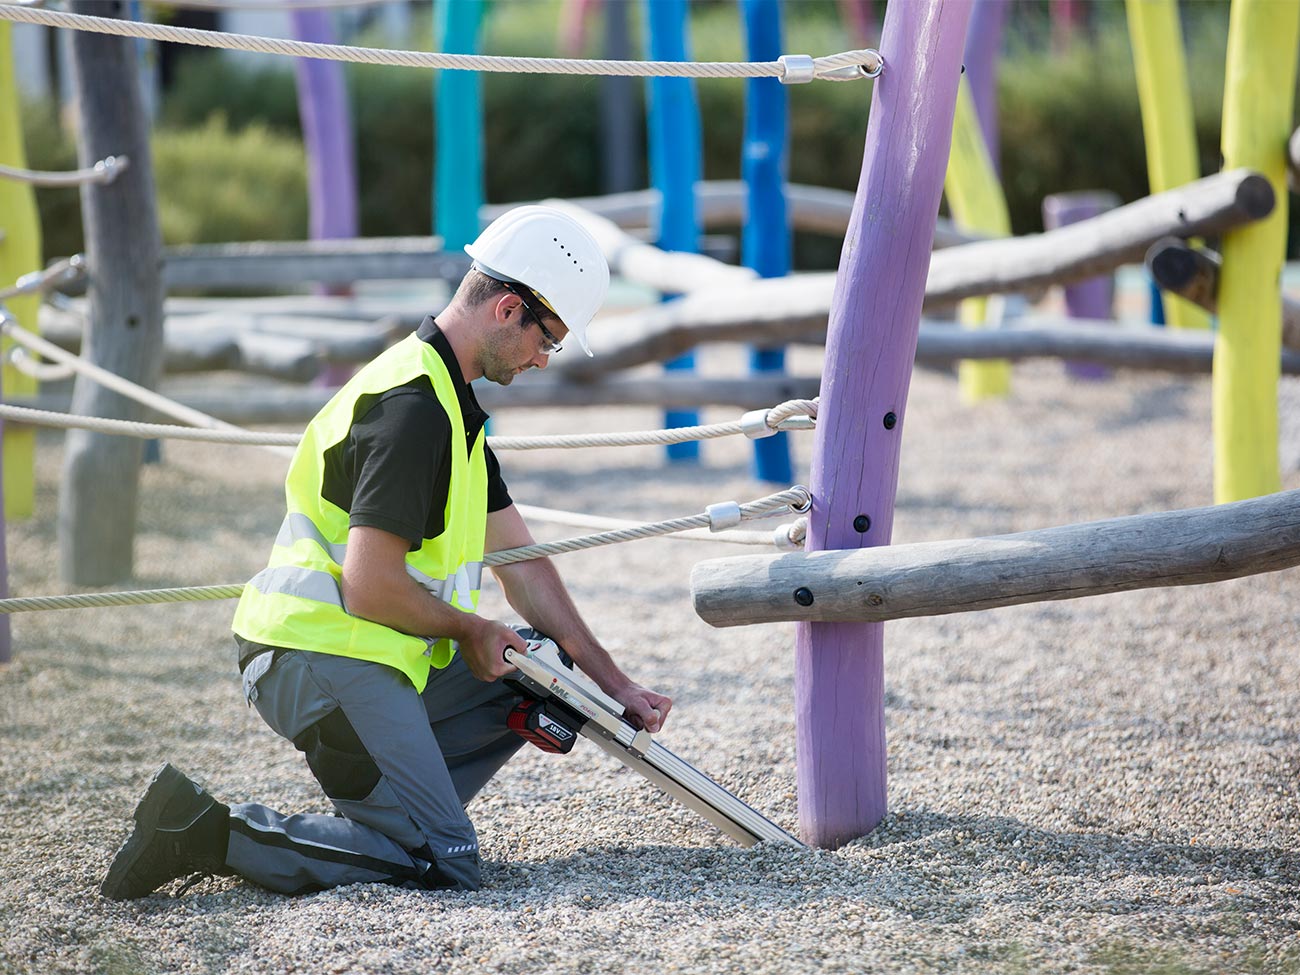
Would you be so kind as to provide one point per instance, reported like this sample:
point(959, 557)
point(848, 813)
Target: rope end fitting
point(754, 425)
point(723, 515)
point(797, 69)
point(866, 63)
point(110, 167)
point(804, 506)
point(789, 538)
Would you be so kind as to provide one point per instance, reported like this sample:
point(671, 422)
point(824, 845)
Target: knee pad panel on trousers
point(337, 757)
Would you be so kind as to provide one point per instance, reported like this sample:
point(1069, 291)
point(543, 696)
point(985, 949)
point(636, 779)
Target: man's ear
point(506, 306)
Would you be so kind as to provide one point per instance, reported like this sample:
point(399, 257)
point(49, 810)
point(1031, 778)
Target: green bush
point(216, 185)
point(212, 184)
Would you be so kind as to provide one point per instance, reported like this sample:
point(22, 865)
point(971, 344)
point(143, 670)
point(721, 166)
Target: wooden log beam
point(1083, 250)
point(281, 264)
point(1170, 548)
point(724, 203)
point(1193, 273)
point(288, 347)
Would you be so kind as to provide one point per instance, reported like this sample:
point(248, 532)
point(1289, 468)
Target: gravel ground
point(1100, 785)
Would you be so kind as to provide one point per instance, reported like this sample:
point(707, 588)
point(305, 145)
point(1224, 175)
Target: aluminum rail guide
point(599, 719)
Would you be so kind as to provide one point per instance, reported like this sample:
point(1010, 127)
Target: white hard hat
point(553, 255)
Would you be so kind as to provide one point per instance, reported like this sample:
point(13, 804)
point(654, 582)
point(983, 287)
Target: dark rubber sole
point(164, 784)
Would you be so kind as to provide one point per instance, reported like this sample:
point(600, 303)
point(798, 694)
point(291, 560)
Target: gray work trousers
point(398, 767)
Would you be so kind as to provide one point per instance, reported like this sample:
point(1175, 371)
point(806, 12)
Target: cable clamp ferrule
point(754, 425)
point(723, 515)
point(799, 69)
point(782, 540)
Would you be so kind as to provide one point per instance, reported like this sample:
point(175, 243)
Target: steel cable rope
point(797, 68)
point(60, 272)
point(777, 418)
point(104, 171)
point(796, 498)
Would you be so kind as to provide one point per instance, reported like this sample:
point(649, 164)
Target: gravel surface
point(1098, 785)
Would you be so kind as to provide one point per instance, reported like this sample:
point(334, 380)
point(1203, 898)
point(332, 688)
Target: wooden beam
point(99, 482)
point(279, 264)
point(1193, 273)
point(1170, 548)
point(723, 203)
point(1091, 247)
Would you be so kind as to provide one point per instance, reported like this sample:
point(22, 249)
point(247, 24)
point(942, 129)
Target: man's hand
point(484, 645)
point(644, 708)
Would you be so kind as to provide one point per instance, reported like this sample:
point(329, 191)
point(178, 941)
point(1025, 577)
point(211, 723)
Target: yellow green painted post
point(20, 253)
point(1258, 99)
point(1167, 122)
point(977, 204)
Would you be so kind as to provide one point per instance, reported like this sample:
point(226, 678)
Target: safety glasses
point(550, 344)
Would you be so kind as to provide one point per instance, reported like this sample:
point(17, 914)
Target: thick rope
point(786, 416)
point(104, 171)
point(111, 380)
point(858, 63)
point(797, 498)
point(60, 272)
point(44, 372)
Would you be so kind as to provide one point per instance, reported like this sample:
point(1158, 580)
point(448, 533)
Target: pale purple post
point(983, 48)
point(1095, 298)
point(327, 137)
point(870, 346)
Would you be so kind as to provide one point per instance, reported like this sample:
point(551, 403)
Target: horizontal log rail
point(1171, 548)
point(725, 203)
point(784, 310)
point(1193, 273)
point(1083, 250)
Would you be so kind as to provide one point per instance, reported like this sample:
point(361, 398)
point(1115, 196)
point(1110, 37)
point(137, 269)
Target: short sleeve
point(498, 495)
point(400, 459)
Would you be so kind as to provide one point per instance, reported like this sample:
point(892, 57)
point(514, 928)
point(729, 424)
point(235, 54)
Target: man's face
point(515, 345)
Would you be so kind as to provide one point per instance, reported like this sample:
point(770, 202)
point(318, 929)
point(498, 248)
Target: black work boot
point(179, 830)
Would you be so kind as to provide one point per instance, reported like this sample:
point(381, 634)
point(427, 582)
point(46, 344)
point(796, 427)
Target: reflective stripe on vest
point(296, 527)
point(297, 601)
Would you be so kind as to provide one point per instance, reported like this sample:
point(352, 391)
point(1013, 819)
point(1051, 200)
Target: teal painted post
point(765, 240)
point(458, 130)
point(675, 169)
point(870, 346)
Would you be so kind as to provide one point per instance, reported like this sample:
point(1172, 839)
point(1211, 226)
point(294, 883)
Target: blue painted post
point(983, 48)
point(674, 169)
point(870, 345)
point(458, 127)
point(765, 240)
point(327, 139)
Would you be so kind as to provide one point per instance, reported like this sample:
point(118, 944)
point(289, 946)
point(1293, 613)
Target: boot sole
point(164, 784)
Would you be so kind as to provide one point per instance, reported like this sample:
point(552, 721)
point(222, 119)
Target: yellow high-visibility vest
point(297, 601)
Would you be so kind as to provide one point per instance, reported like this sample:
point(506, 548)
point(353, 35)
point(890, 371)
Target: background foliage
point(229, 162)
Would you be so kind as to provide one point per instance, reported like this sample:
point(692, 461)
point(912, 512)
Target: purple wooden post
point(327, 137)
point(870, 346)
point(983, 48)
point(1095, 298)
